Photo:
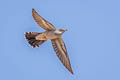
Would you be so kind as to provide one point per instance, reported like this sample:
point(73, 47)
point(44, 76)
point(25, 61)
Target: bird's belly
point(44, 36)
point(52, 37)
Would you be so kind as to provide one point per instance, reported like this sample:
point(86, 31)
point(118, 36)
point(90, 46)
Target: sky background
point(92, 40)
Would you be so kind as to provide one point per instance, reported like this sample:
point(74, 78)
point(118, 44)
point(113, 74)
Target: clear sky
point(92, 40)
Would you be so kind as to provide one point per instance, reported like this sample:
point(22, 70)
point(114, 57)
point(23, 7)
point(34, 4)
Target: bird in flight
point(35, 39)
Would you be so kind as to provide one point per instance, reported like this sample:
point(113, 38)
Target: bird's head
point(60, 31)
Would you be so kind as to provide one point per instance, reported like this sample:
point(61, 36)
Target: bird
point(35, 39)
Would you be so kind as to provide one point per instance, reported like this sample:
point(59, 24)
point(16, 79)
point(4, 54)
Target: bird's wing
point(42, 22)
point(60, 49)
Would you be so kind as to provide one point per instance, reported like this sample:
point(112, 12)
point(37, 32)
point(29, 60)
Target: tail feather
point(30, 36)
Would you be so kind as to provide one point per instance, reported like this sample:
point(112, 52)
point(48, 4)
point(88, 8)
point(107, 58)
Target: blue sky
point(92, 40)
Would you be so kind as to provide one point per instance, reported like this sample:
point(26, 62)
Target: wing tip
point(33, 9)
point(70, 69)
point(72, 72)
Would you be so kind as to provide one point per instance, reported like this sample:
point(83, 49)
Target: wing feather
point(61, 52)
point(42, 22)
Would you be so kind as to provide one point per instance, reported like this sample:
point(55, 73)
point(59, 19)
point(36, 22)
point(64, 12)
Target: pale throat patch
point(58, 32)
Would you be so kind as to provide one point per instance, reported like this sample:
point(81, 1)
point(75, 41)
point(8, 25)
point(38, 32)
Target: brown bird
point(35, 39)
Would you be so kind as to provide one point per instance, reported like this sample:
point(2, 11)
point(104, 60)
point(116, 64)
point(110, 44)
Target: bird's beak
point(66, 30)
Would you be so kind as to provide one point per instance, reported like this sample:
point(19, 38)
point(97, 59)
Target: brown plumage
point(35, 39)
point(61, 52)
point(30, 36)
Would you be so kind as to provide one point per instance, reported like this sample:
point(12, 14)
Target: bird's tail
point(30, 36)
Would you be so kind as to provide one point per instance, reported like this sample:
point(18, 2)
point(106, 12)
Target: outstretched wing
point(42, 22)
point(60, 49)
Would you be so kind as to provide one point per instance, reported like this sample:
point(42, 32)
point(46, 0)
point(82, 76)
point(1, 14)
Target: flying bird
point(35, 39)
